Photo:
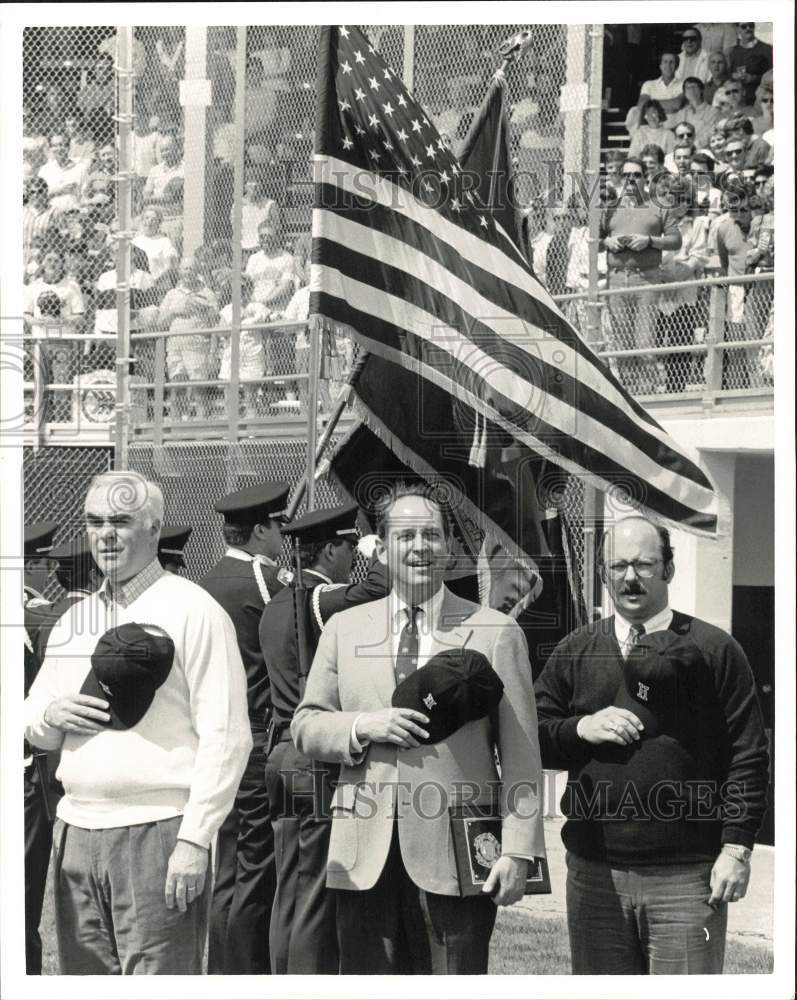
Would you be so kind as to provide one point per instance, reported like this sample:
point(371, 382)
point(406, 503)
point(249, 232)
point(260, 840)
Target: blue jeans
point(650, 920)
point(111, 916)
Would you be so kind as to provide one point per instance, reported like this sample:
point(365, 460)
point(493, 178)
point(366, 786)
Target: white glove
point(366, 545)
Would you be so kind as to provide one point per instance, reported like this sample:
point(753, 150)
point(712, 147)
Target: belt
point(631, 269)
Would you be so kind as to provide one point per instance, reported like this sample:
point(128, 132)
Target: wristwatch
point(737, 851)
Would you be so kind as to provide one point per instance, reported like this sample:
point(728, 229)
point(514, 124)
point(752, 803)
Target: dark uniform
point(303, 930)
point(38, 819)
point(245, 877)
point(171, 545)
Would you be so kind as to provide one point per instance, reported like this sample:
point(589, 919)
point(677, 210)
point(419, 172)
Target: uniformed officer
point(38, 542)
point(171, 545)
point(303, 931)
point(243, 582)
point(79, 577)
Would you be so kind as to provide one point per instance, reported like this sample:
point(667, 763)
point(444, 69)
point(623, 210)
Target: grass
point(521, 946)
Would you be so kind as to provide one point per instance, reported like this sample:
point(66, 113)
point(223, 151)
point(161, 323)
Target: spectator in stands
point(97, 100)
point(716, 145)
point(99, 187)
point(257, 207)
point(679, 308)
point(35, 147)
point(704, 192)
point(693, 60)
point(190, 305)
point(717, 36)
point(764, 123)
point(695, 112)
point(164, 187)
point(760, 257)
point(749, 59)
point(613, 164)
point(65, 177)
point(666, 89)
point(53, 110)
point(719, 75)
point(635, 233)
point(40, 219)
point(652, 131)
point(682, 158)
point(162, 255)
point(730, 100)
point(728, 237)
point(271, 269)
point(652, 157)
point(81, 145)
point(251, 353)
point(145, 151)
point(739, 129)
point(54, 306)
point(144, 313)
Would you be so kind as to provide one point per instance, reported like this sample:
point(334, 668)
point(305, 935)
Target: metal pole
point(314, 332)
point(595, 104)
point(409, 57)
point(124, 203)
point(237, 254)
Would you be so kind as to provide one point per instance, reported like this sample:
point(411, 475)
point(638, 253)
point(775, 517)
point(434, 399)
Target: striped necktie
point(633, 638)
point(407, 656)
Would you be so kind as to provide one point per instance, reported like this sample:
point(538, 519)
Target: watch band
point(737, 851)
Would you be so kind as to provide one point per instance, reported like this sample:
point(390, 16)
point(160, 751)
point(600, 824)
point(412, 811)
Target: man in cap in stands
point(173, 541)
point(303, 929)
point(147, 703)
point(399, 902)
point(38, 541)
point(654, 714)
point(244, 581)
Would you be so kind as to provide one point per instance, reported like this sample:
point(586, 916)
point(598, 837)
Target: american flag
point(408, 260)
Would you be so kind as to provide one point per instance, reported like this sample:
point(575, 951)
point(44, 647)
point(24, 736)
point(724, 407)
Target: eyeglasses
point(684, 134)
point(643, 568)
point(636, 173)
point(759, 184)
point(690, 38)
point(734, 152)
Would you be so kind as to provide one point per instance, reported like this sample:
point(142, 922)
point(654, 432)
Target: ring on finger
point(612, 728)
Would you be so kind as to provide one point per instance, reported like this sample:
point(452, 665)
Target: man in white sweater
point(144, 799)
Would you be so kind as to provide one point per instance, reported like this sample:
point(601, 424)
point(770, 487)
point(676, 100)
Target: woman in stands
point(653, 131)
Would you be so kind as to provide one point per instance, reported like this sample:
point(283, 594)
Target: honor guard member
point(244, 581)
point(77, 573)
point(38, 543)
point(303, 931)
point(171, 547)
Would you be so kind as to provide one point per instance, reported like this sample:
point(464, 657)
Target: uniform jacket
point(278, 633)
point(353, 672)
point(232, 583)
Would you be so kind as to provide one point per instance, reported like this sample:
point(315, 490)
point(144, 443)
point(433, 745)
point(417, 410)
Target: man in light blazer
point(391, 854)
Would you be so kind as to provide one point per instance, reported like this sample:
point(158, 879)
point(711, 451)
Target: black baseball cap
point(455, 687)
point(128, 665)
point(659, 681)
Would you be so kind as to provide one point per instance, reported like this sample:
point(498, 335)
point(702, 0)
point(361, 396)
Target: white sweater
point(187, 754)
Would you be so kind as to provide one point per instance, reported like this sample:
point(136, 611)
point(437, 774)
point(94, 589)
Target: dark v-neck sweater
point(671, 798)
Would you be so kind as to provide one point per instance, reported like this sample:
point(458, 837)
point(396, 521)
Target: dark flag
point(408, 262)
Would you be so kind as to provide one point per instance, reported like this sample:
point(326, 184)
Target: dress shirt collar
point(133, 588)
point(430, 609)
point(658, 623)
point(315, 572)
point(234, 553)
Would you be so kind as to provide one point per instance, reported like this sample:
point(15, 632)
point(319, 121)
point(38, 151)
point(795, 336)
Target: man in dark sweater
point(244, 581)
point(654, 715)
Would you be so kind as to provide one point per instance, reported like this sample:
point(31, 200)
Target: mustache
point(631, 589)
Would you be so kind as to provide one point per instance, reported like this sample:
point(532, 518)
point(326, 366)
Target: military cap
point(455, 687)
point(129, 663)
point(324, 525)
point(172, 542)
point(265, 500)
point(38, 538)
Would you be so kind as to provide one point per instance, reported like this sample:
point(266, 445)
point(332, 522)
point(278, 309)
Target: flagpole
point(511, 49)
point(326, 437)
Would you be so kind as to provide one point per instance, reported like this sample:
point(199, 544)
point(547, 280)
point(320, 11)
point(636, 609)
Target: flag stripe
point(357, 304)
point(385, 258)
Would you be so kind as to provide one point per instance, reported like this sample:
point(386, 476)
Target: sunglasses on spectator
point(734, 152)
point(635, 173)
point(760, 183)
point(747, 24)
point(690, 38)
point(685, 134)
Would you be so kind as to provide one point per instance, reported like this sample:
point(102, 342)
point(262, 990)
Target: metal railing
point(703, 340)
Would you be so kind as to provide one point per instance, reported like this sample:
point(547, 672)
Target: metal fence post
point(594, 305)
point(237, 253)
point(715, 335)
point(124, 70)
point(409, 57)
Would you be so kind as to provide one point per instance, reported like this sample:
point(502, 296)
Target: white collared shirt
point(428, 621)
point(660, 622)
